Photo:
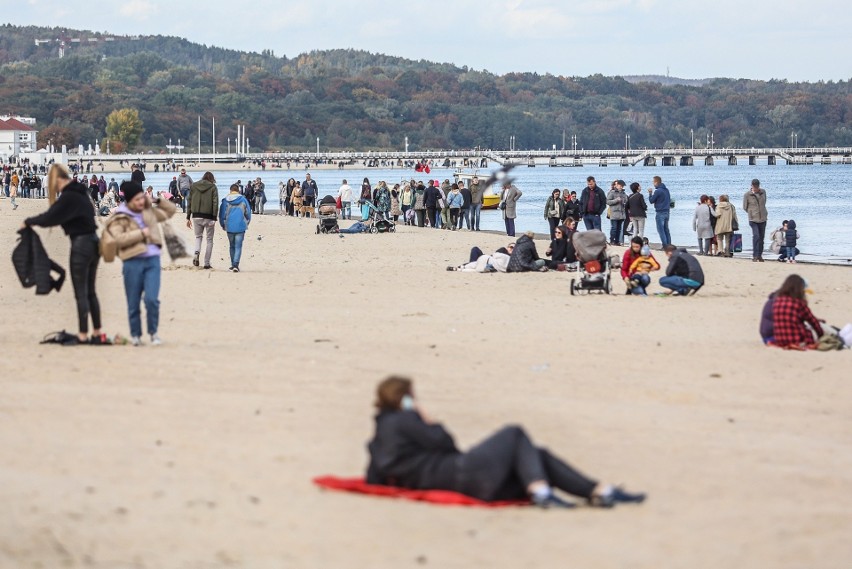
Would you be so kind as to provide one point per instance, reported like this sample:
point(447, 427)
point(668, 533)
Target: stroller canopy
point(589, 245)
point(328, 200)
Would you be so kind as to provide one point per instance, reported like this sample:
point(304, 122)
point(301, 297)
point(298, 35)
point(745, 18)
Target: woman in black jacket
point(75, 212)
point(410, 451)
point(561, 249)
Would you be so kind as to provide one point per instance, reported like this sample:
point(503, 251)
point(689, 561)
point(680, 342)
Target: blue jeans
point(662, 219)
point(464, 216)
point(758, 236)
point(510, 226)
point(616, 230)
point(475, 210)
point(236, 250)
point(678, 284)
point(346, 210)
point(642, 282)
point(592, 221)
point(142, 275)
point(791, 253)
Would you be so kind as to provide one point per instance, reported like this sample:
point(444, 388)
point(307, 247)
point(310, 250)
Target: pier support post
point(770, 160)
point(752, 160)
point(686, 161)
point(708, 161)
point(650, 161)
point(668, 160)
point(732, 160)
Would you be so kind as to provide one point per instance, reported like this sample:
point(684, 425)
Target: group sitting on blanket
point(411, 451)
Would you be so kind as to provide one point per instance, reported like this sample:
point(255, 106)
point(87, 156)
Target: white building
point(16, 136)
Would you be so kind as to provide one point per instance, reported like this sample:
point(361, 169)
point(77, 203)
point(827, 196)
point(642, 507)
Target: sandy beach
point(200, 453)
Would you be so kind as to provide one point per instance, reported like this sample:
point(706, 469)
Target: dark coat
point(409, 453)
point(523, 256)
point(34, 266)
point(599, 204)
point(682, 264)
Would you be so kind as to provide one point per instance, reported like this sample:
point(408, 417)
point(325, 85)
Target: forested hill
point(358, 100)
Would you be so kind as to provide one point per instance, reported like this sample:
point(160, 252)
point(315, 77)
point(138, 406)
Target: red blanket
point(446, 497)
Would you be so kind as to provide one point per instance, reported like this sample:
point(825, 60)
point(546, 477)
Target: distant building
point(16, 135)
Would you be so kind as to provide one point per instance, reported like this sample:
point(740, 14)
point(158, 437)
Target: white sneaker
point(136, 341)
point(155, 340)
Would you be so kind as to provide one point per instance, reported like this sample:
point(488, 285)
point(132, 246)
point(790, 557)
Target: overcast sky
point(759, 39)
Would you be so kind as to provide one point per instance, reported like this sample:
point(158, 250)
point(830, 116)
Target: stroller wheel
point(392, 229)
point(573, 287)
point(608, 285)
point(318, 229)
point(374, 229)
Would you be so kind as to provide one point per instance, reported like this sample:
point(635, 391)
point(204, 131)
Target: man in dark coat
point(592, 204)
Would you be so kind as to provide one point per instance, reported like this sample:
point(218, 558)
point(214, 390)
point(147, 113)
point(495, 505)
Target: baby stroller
point(595, 266)
point(381, 224)
point(327, 216)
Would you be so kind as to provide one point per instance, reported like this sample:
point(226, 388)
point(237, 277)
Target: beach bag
point(737, 243)
point(175, 244)
point(829, 342)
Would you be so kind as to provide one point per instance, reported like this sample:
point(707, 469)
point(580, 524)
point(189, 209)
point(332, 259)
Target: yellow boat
point(490, 200)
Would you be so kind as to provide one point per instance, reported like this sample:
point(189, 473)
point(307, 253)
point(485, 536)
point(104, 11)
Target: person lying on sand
point(479, 262)
point(411, 451)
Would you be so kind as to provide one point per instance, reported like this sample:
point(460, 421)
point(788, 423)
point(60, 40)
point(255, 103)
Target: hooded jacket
point(662, 199)
point(203, 200)
point(725, 216)
point(791, 235)
point(235, 213)
point(33, 266)
point(523, 256)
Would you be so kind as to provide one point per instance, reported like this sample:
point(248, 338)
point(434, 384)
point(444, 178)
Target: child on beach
point(790, 238)
point(639, 271)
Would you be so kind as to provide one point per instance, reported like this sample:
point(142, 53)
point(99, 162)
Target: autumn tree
point(124, 126)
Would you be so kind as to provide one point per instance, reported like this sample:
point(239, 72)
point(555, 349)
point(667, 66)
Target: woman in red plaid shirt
point(792, 316)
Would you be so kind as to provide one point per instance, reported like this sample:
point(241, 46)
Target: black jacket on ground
point(409, 453)
point(34, 266)
point(523, 256)
point(73, 210)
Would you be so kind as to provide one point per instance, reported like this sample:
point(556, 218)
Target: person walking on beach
point(662, 200)
point(464, 214)
point(184, 183)
point(754, 204)
point(135, 231)
point(616, 199)
point(14, 182)
point(431, 200)
point(454, 204)
point(637, 209)
point(76, 214)
point(366, 196)
point(554, 211)
point(409, 450)
point(724, 225)
point(344, 193)
point(406, 201)
point(234, 218)
point(310, 191)
point(201, 215)
point(418, 202)
point(291, 194)
point(136, 174)
point(259, 196)
point(592, 204)
point(476, 191)
point(509, 204)
point(702, 224)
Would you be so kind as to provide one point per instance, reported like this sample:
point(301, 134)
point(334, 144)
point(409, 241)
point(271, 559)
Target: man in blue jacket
point(309, 192)
point(662, 200)
point(234, 217)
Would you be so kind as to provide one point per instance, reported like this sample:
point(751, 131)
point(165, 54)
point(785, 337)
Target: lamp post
point(692, 139)
point(317, 147)
point(406, 145)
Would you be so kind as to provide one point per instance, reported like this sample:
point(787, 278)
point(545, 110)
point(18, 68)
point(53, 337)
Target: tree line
point(353, 99)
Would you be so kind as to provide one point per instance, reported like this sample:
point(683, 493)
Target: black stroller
point(327, 216)
point(595, 267)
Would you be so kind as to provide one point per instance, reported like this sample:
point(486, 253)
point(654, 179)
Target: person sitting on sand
point(561, 250)
point(794, 326)
point(410, 451)
point(636, 265)
point(525, 257)
point(479, 262)
point(684, 275)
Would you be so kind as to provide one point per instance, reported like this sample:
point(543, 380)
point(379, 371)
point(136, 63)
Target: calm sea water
point(818, 197)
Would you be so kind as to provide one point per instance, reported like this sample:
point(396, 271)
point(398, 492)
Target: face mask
point(407, 403)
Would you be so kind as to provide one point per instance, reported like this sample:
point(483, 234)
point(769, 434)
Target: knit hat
point(130, 189)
